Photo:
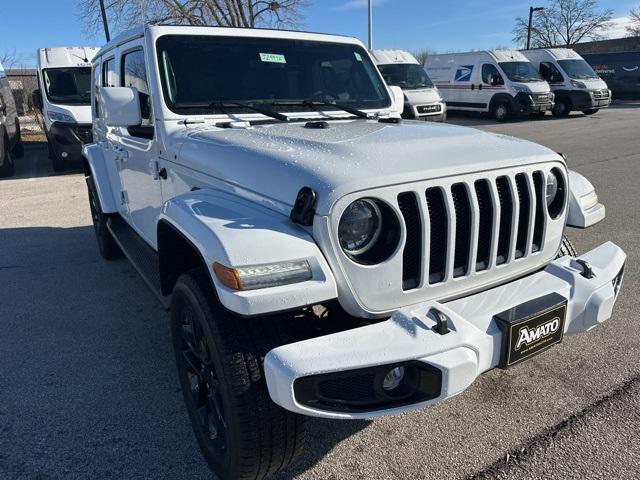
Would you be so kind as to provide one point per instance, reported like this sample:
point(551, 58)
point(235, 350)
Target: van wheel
point(567, 248)
point(501, 111)
point(591, 111)
point(561, 108)
point(241, 432)
point(109, 249)
point(7, 169)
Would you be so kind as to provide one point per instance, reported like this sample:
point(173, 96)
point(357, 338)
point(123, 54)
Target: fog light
point(393, 379)
point(64, 154)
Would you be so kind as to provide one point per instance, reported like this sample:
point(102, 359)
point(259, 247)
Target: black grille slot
point(506, 211)
point(462, 206)
point(412, 255)
point(485, 224)
point(538, 227)
point(437, 234)
point(523, 219)
point(353, 388)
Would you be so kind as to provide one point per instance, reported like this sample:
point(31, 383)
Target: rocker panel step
point(143, 258)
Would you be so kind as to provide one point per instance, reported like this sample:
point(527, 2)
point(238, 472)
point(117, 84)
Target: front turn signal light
point(253, 277)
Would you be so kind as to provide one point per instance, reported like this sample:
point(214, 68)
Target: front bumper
point(525, 104)
point(589, 100)
point(67, 139)
point(472, 347)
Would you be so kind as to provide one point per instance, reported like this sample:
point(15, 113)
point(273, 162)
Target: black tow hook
point(442, 325)
point(587, 271)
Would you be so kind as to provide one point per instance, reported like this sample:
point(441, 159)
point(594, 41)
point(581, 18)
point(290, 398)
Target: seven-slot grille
point(471, 227)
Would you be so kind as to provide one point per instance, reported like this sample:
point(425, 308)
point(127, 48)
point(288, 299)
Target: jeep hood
point(277, 160)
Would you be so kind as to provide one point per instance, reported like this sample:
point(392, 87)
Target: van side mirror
point(556, 78)
point(36, 99)
point(398, 99)
point(120, 106)
point(496, 80)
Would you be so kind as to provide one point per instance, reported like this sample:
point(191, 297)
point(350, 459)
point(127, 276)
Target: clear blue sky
point(409, 24)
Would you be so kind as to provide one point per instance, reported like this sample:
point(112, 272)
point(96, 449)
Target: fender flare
point(235, 232)
point(580, 187)
point(96, 167)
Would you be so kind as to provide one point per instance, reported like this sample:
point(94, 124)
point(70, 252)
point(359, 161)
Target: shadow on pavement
point(88, 387)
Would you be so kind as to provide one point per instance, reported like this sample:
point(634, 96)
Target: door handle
point(162, 173)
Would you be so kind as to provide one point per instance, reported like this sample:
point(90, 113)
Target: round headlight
point(552, 187)
point(360, 226)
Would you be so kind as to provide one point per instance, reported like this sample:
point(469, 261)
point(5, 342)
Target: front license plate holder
point(531, 328)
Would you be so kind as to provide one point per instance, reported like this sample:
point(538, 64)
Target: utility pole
point(105, 23)
point(531, 12)
point(370, 26)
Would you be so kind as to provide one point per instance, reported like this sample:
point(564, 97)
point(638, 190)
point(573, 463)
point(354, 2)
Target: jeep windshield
point(520, 72)
point(68, 86)
point(199, 73)
point(578, 69)
point(409, 76)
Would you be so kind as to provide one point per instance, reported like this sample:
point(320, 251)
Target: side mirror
point(496, 80)
point(120, 106)
point(36, 99)
point(398, 99)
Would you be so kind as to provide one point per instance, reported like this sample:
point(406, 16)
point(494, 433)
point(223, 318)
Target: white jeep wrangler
point(319, 256)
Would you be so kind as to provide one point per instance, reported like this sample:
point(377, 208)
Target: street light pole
point(105, 24)
point(370, 26)
point(531, 12)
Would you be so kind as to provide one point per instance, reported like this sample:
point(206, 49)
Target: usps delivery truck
point(573, 81)
point(501, 82)
point(64, 98)
point(421, 98)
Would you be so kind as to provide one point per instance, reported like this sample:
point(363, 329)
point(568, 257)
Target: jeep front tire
point(242, 433)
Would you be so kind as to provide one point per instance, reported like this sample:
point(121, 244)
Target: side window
point(109, 73)
point(96, 89)
point(490, 75)
point(134, 74)
point(550, 73)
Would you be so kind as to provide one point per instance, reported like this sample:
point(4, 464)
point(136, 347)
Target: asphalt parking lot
point(88, 387)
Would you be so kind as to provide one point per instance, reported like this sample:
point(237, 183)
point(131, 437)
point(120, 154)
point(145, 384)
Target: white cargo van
point(64, 97)
point(573, 81)
point(502, 82)
point(421, 98)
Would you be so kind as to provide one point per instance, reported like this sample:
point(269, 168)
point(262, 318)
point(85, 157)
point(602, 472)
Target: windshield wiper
point(250, 106)
point(327, 103)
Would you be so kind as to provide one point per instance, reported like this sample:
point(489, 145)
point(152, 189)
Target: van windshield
point(199, 72)
point(68, 86)
point(577, 69)
point(409, 76)
point(520, 72)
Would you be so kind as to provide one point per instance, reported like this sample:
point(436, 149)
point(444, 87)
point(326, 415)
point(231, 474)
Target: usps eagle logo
point(463, 74)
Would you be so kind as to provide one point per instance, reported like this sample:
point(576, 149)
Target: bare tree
point(422, 54)
point(125, 14)
point(564, 22)
point(10, 59)
point(633, 29)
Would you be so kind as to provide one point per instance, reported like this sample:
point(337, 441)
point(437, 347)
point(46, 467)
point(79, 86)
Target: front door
point(138, 152)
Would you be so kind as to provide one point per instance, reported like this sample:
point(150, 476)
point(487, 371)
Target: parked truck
point(422, 101)
point(501, 82)
point(318, 255)
point(64, 98)
point(575, 85)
